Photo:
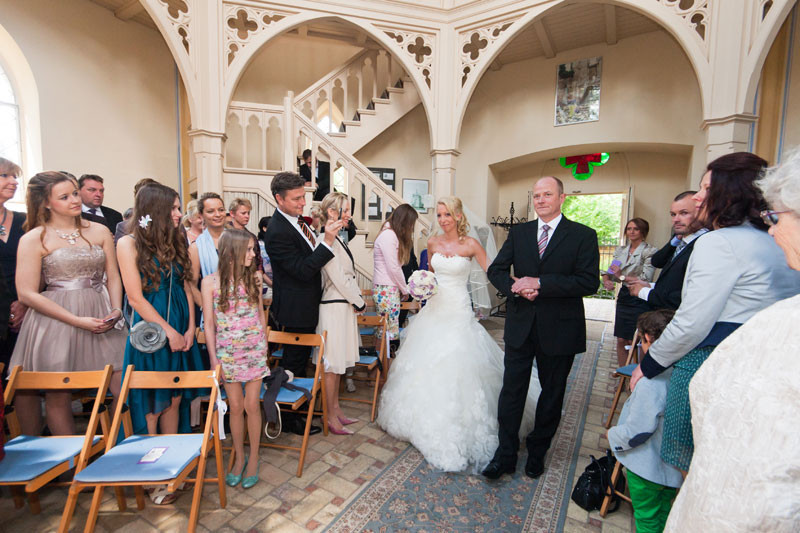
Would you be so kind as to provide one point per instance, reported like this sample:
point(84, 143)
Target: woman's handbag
point(149, 337)
point(592, 485)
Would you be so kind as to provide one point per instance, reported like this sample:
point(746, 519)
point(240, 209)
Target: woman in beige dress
point(75, 323)
point(341, 302)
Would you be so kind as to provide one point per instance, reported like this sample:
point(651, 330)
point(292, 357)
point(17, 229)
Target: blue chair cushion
point(291, 396)
point(627, 370)
point(366, 331)
point(366, 360)
point(370, 313)
point(121, 463)
point(28, 457)
point(277, 354)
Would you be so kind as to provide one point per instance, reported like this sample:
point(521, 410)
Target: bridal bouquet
point(422, 285)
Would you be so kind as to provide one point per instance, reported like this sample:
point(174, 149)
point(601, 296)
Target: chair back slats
point(56, 380)
point(302, 339)
point(171, 380)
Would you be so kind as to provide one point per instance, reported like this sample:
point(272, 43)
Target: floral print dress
point(241, 341)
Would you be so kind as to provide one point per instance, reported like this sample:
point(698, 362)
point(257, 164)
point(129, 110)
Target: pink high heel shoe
point(342, 431)
point(346, 421)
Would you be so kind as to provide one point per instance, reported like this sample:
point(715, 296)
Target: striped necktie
point(543, 239)
point(306, 231)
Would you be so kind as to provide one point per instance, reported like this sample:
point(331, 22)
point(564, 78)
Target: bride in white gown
point(442, 390)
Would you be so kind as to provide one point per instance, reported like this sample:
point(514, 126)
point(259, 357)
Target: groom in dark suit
point(297, 263)
point(556, 262)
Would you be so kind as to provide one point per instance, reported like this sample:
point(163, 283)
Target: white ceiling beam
point(611, 24)
point(545, 39)
point(128, 10)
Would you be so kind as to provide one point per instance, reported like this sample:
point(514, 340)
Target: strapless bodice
point(65, 266)
point(452, 273)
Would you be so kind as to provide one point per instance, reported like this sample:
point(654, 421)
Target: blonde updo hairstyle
point(334, 200)
point(191, 211)
point(455, 208)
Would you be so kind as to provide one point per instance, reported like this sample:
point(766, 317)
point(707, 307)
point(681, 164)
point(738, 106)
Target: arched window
point(10, 147)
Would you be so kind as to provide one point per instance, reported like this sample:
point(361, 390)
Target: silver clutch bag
point(149, 337)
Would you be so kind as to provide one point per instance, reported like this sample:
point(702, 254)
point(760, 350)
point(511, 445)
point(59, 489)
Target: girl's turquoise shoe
point(249, 481)
point(232, 479)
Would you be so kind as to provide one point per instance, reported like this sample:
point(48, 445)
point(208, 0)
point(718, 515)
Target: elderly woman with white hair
point(745, 401)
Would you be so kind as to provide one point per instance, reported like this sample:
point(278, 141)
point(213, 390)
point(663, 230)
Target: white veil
point(478, 282)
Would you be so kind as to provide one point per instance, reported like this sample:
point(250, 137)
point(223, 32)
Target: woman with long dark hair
point(391, 250)
point(74, 324)
point(735, 271)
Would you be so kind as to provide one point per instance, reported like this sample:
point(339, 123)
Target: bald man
point(556, 262)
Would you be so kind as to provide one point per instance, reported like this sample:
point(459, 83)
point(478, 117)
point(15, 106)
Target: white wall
point(288, 63)
point(649, 95)
point(106, 92)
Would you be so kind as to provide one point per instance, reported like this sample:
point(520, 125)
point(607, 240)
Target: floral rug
point(411, 496)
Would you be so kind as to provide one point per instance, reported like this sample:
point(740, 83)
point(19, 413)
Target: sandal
point(161, 496)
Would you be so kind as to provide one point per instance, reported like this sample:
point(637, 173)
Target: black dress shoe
point(496, 468)
point(534, 466)
point(298, 427)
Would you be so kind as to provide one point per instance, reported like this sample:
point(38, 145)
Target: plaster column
point(728, 134)
point(444, 172)
point(207, 149)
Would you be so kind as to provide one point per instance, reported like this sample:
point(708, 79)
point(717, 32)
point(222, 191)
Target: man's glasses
point(770, 218)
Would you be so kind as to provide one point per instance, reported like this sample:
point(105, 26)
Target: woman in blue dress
point(155, 252)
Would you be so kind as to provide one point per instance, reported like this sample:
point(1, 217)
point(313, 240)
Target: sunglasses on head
point(770, 218)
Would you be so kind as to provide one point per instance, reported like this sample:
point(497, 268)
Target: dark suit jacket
point(296, 270)
point(667, 292)
point(568, 271)
point(110, 218)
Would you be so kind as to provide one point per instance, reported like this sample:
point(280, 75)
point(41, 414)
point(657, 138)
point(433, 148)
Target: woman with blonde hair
point(446, 344)
point(391, 250)
point(193, 221)
point(12, 311)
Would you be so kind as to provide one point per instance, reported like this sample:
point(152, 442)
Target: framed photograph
point(373, 205)
point(578, 91)
point(414, 193)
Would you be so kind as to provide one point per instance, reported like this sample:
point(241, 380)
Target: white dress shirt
point(645, 291)
point(97, 211)
point(294, 222)
point(552, 225)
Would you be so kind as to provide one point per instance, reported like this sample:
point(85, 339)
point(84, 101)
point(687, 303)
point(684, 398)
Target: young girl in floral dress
point(235, 336)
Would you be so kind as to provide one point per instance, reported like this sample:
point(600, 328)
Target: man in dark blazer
point(297, 263)
point(555, 264)
point(92, 193)
point(666, 293)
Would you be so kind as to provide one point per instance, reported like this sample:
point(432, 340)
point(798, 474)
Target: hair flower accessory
point(145, 221)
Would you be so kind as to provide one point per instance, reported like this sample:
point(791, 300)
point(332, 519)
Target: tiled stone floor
point(337, 469)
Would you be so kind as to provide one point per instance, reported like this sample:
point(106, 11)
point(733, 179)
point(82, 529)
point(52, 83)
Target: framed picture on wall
point(578, 91)
point(373, 205)
point(414, 193)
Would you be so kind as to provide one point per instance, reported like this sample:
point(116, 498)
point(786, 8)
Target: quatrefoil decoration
point(175, 7)
point(419, 49)
point(242, 24)
point(475, 45)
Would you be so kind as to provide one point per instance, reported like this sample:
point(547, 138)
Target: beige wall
point(106, 92)
point(649, 95)
point(791, 126)
point(656, 179)
point(289, 63)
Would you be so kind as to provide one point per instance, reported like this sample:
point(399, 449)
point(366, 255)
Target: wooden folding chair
point(125, 464)
point(374, 365)
point(611, 490)
point(624, 373)
point(32, 462)
point(293, 401)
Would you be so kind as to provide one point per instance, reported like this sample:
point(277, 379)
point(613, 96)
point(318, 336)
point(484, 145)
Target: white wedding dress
point(442, 391)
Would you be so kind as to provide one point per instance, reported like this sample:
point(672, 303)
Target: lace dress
point(442, 391)
point(74, 278)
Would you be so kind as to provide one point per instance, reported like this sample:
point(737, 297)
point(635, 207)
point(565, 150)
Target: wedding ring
point(11, 316)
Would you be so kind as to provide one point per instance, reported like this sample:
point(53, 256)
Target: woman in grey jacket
point(735, 271)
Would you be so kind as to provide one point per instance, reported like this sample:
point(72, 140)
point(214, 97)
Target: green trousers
point(651, 503)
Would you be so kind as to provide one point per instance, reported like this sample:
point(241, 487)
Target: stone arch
point(658, 12)
point(754, 62)
point(174, 42)
point(245, 56)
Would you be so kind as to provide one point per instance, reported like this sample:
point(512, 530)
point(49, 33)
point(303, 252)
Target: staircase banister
point(255, 106)
point(333, 74)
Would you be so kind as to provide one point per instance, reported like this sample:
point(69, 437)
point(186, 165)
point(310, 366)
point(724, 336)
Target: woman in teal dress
point(156, 241)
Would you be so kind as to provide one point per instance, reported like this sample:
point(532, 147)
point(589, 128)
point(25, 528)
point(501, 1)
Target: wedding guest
point(263, 224)
point(93, 193)
point(636, 439)
point(12, 311)
point(633, 259)
point(745, 403)
point(193, 221)
point(735, 271)
point(120, 231)
point(316, 218)
point(125, 227)
point(341, 301)
point(235, 337)
point(392, 249)
point(203, 252)
point(74, 324)
point(240, 210)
